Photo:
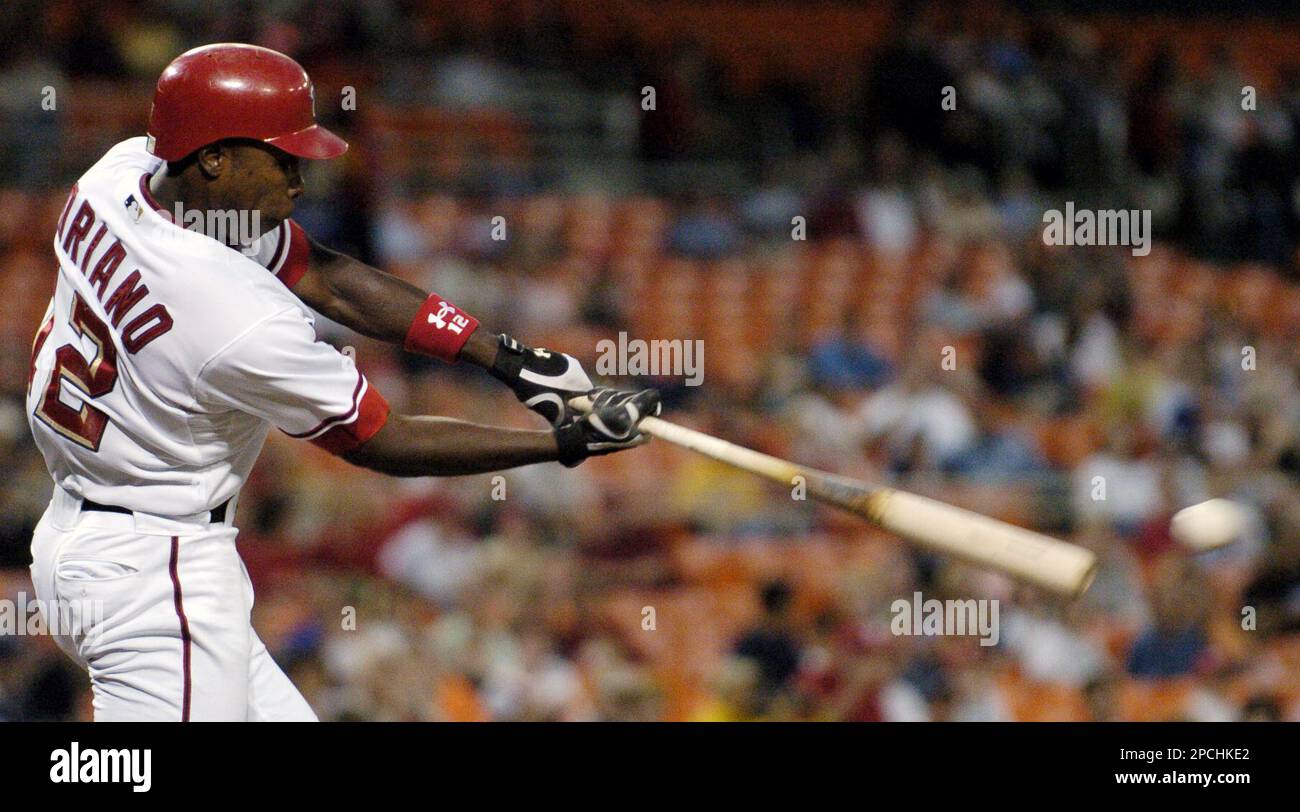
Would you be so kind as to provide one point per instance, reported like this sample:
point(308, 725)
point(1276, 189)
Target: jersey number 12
point(94, 378)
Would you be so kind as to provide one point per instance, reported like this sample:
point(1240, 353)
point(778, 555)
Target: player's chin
point(273, 215)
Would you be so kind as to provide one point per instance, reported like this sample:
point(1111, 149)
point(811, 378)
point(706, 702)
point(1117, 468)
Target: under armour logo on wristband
point(457, 323)
point(440, 329)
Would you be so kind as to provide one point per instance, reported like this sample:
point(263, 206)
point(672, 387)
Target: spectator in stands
point(772, 643)
point(1176, 642)
point(918, 420)
point(1119, 484)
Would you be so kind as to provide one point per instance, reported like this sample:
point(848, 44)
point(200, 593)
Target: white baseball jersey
point(166, 355)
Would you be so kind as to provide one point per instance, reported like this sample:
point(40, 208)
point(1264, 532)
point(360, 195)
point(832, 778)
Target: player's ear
point(213, 160)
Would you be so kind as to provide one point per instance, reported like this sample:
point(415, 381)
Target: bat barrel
point(1063, 568)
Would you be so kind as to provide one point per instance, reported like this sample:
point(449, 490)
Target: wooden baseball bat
point(1063, 568)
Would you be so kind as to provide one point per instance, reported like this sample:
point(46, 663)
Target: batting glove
point(611, 425)
point(542, 380)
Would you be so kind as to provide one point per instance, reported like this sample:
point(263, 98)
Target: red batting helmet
point(232, 90)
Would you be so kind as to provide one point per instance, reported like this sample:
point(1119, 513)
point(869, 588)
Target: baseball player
point(167, 355)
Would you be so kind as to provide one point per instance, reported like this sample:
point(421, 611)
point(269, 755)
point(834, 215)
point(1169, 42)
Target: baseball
point(1208, 525)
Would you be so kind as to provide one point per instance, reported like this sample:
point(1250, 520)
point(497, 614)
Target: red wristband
point(440, 329)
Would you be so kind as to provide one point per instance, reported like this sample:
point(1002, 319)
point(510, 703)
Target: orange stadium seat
point(1154, 701)
point(1032, 701)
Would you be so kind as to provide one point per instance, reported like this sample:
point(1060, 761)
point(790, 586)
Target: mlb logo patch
point(133, 208)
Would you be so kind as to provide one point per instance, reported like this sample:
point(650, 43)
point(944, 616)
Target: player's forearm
point(377, 304)
point(382, 306)
point(439, 446)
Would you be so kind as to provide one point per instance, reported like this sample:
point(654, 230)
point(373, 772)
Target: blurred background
point(1173, 375)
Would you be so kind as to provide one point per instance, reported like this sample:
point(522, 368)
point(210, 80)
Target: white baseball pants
point(158, 610)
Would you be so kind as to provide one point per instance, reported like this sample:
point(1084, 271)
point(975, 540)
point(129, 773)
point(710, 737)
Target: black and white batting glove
point(542, 380)
point(611, 425)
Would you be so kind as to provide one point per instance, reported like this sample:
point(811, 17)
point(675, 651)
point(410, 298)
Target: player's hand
point(611, 425)
point(542, 380)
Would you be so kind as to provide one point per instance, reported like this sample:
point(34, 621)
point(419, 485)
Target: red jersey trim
point(149, 199)
point(281, 241)
point(341, 433)
point(298, 251)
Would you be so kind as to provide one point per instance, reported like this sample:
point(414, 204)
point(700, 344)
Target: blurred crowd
point(917, 332)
